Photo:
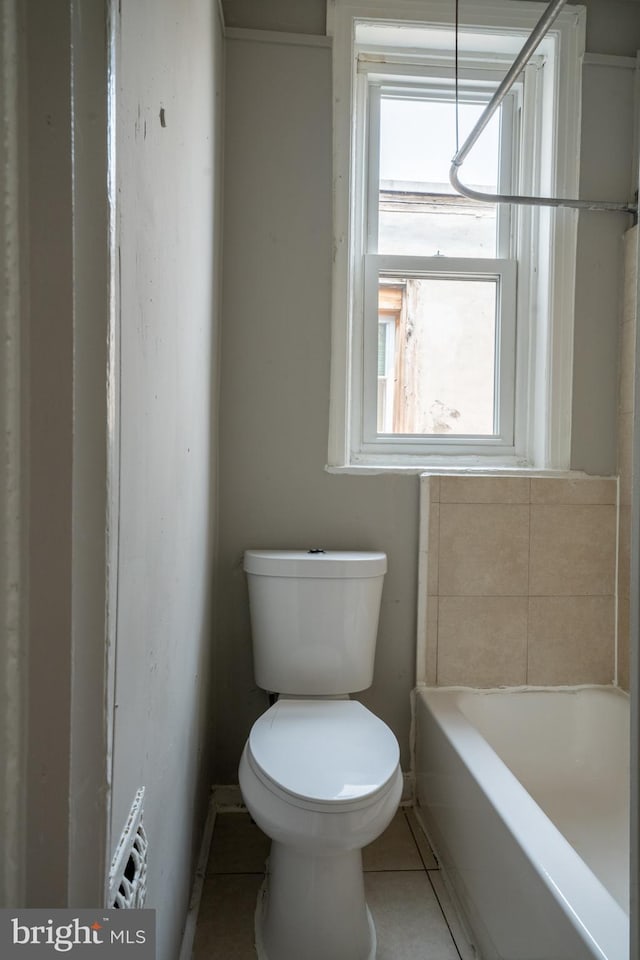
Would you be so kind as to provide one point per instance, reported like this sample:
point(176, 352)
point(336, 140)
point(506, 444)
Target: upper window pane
point(419, 212)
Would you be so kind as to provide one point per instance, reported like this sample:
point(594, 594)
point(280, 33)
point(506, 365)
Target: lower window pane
point(437, 356)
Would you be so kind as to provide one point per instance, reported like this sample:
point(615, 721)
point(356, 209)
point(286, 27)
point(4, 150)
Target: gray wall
point(48, 441)
point(276, 349)
point(168, 142)
point(605, 174)
point(63, 273)
point(12, 666)
point(273, 487)
point(610, 28)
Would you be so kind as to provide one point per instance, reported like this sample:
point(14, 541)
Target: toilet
point(320, 773)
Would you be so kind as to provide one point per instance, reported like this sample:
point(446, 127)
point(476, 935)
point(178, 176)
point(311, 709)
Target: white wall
point(168, 139)
point(118, 412)
point(276, 342)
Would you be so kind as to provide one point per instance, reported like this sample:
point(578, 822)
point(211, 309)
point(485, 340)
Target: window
point(451, 318)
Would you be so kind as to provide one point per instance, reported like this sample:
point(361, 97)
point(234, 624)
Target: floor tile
point(420, 837)
point(408, 920)
point(225, 922)
point(465, 949)
point(238, 845)
point(407, 913)
point(394, 850)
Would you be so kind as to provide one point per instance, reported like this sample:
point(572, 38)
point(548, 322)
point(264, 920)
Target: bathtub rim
point(552, 856)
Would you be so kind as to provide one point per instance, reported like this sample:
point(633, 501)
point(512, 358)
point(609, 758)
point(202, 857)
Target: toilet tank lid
point(329, 564)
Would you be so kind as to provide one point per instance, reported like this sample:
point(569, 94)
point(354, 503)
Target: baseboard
point(228, 799)
point(188, 937)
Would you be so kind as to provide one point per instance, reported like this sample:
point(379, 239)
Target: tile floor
point(404, 891)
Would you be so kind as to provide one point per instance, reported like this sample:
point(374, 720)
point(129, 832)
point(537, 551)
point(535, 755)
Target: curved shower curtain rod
point(518, 65)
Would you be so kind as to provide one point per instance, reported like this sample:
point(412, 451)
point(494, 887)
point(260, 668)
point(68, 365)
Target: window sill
point(453, 470)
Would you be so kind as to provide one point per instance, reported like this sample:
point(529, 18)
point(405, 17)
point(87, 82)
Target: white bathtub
point(524, 795)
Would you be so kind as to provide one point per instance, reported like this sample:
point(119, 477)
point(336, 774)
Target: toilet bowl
point(322, 779)
point(319, 773)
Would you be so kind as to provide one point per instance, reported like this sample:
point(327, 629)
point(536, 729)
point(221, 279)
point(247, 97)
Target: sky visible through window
point(418, 142)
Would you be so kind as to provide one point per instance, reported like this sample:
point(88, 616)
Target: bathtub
point(525, 797)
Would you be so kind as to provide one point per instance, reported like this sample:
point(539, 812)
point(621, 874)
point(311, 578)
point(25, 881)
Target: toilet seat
point(324, 755)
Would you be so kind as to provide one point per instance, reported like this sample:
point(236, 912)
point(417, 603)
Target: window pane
point(444, 358)
point(417, 143)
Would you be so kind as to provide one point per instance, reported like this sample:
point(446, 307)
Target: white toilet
point(319, 773)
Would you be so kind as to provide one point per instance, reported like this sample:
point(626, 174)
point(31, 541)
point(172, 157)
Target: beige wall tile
point(624, 552)
point(482, 641)
point(629, 305)
point(623, 643)
point(627, 366)
point(630, 243)
point(433, 550)
point(575, 490)
point(434, 488)
point(484, 489)
point(629, 283)
point(484, 549)
point(571, 640)
point(431, 660)
point(625, 455)
point(572, 550)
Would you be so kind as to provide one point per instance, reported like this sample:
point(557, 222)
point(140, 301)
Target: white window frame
point(372, 85)
point(546, 238)
point(503, 272)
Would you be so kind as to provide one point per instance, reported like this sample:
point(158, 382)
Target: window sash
point(431, 90)
point(503, 272)
point(364, 434)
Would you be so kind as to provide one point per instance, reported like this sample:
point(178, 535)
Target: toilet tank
point(314, 619)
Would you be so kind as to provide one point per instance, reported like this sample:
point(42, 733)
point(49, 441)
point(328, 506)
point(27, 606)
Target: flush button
point(316, 550)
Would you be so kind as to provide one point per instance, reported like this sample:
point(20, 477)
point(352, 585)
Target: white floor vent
point(128, 873)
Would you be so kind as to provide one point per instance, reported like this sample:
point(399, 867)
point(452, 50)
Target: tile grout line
point(417, 845)
point(429, 871)
point(444, 916)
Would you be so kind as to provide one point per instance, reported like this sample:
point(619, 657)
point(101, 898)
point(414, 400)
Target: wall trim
point(275, 36)
point(634, 658)
point(609, 60)
point(188, 937)
point(94, 525)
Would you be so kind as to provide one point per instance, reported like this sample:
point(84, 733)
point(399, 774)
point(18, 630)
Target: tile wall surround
point(625, 442)
point(520, 580)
